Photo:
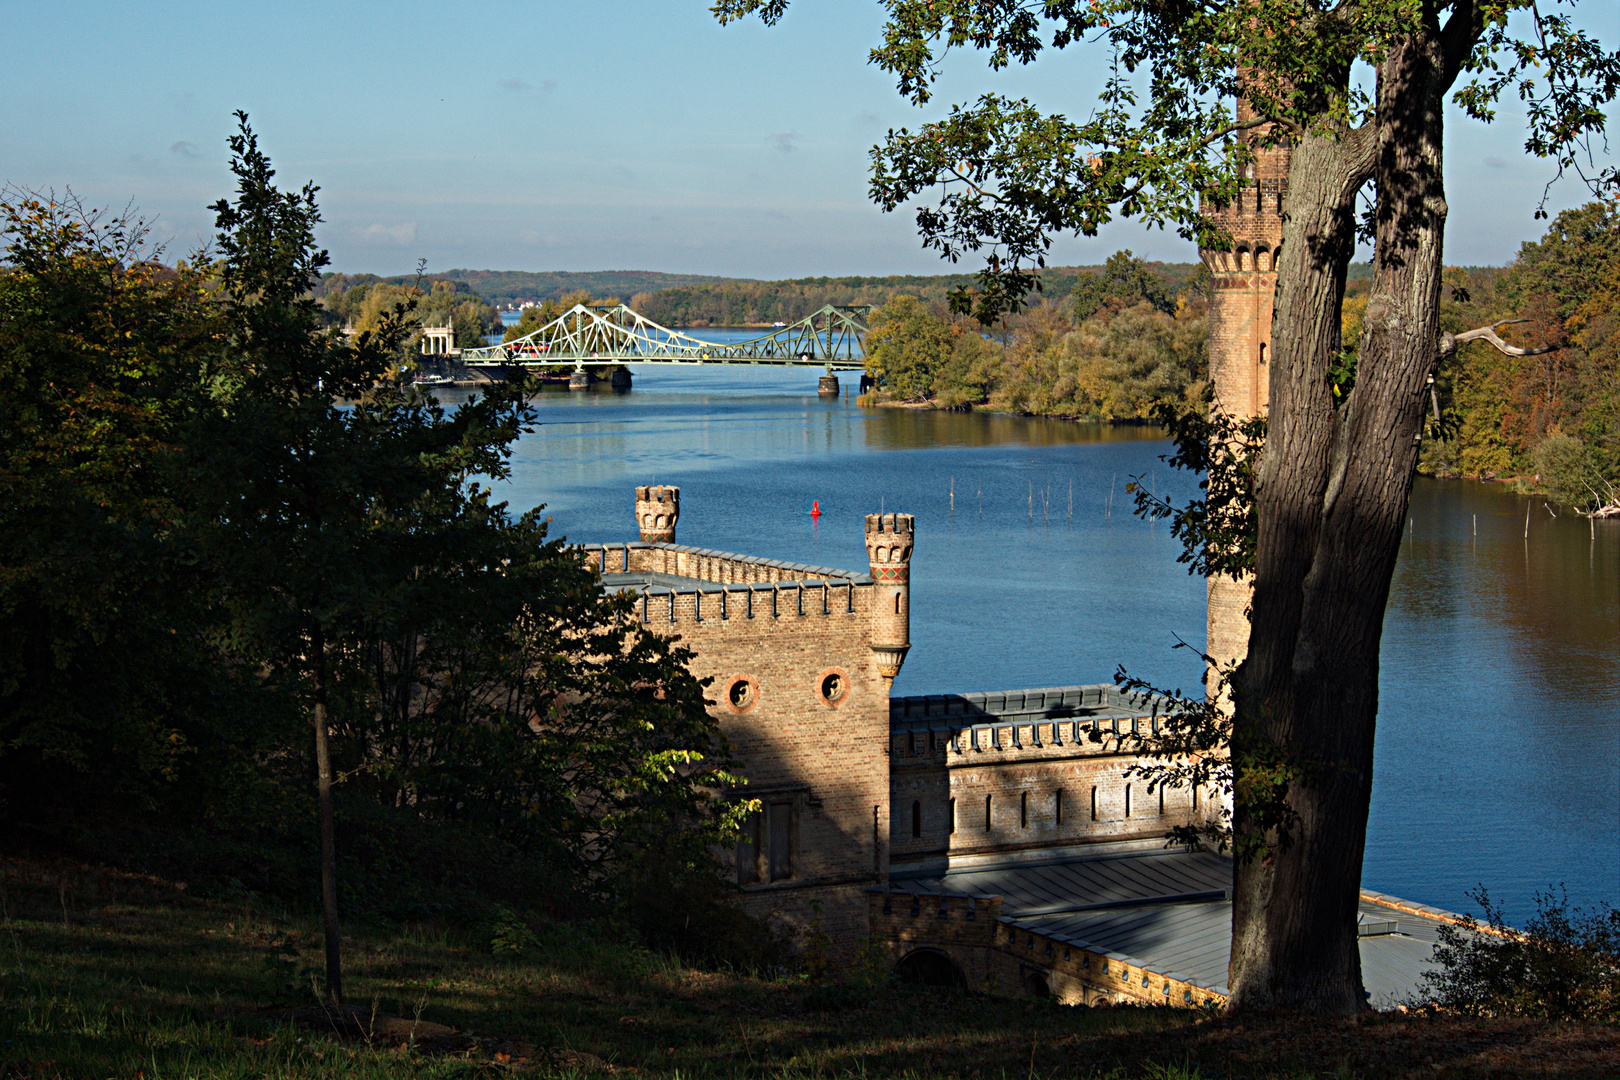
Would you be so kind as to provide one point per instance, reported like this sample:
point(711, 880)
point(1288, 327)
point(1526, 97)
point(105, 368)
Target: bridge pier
point(580, 379)
point(827, 385)
point(621, 378)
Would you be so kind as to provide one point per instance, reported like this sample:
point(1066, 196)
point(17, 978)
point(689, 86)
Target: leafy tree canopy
point(1165, 130)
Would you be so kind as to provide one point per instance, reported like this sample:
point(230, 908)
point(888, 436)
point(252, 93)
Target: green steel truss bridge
point(833, 338)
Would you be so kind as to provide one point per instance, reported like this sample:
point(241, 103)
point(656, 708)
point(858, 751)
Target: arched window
point(987, 813)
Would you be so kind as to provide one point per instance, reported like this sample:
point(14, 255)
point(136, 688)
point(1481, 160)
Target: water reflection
point(1499, 729)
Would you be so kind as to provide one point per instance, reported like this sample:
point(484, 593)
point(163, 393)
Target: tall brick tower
point(658, 507)
point(1245, 284)
point(888, 549)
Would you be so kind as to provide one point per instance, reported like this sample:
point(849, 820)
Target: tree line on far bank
point(1129, 337)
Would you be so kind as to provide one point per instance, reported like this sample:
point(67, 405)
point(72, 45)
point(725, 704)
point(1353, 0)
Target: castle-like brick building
point(993, 840)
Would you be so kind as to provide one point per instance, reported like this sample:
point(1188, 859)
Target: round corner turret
point(658, 508)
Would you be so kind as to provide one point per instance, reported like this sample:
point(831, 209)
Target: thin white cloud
point(401, 234)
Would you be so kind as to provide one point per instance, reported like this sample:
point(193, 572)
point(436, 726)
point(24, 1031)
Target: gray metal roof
point(1169, 911)
point(1103, 700)
point(660, 582)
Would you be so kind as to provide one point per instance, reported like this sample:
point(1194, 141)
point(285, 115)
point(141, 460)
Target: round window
point(833, 685)
point(741, 693)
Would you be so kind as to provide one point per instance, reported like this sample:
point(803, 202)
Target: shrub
point(1564, 965)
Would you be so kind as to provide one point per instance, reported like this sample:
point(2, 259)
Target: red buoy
point(815, 508)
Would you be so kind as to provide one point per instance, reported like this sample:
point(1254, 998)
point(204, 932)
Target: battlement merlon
point(705, 564)
point(1065, 721)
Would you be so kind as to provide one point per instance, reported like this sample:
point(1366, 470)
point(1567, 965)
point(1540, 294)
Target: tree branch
point(1457, 40)
point(1488, 333)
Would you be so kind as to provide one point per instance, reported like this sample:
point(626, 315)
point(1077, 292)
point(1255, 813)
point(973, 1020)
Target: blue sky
point(548, 135)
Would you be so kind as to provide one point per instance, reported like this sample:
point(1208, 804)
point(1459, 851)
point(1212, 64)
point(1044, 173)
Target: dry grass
point(112, 975)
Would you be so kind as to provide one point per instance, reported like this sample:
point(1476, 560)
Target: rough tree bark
point(1331, 496)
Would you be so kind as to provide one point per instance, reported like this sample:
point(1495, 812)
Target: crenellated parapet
point(705, 564)
point(1030, 725)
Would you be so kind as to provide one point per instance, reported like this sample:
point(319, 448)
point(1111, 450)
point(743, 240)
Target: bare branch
point(1488, 333)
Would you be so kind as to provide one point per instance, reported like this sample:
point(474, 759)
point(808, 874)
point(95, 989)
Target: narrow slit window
point(1127, 800)
point(1057, 807)
point(1023, 810)
point(1093, 804)
point(780, 861)
point(916, 819)
point(953, 817)
point(748, 851)
point(987, 799)
point(1195, 797)
point(897, 603)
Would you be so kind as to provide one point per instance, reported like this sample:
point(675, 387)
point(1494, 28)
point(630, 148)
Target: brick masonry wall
point(826, 758)
point(996, 957)
point(1240, 316)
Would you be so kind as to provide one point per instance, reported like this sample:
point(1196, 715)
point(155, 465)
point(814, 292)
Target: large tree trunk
point(1332, 496)
point(323, 772)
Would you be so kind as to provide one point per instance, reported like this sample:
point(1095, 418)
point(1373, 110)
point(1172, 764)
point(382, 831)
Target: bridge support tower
point(827, 385)
point(580, 379)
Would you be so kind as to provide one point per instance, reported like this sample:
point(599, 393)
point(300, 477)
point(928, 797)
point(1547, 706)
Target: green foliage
point(679, 905)
point(1564, 965)
point(1115, 365)
point(1571, 473)
point(471, 667)
point(511, 935)
point(907, 345)
point(108, 694)
point(1500, 409)
point(1124, 282)
point(1218, 527)
point(225, 520)
point(1163, 134)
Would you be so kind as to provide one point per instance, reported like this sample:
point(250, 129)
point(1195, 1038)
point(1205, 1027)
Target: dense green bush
point(1564, 964)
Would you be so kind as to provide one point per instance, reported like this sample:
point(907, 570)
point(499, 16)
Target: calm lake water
point(1498, 754)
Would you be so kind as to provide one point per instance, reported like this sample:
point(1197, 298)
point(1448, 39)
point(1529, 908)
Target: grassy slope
point(110, 975)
